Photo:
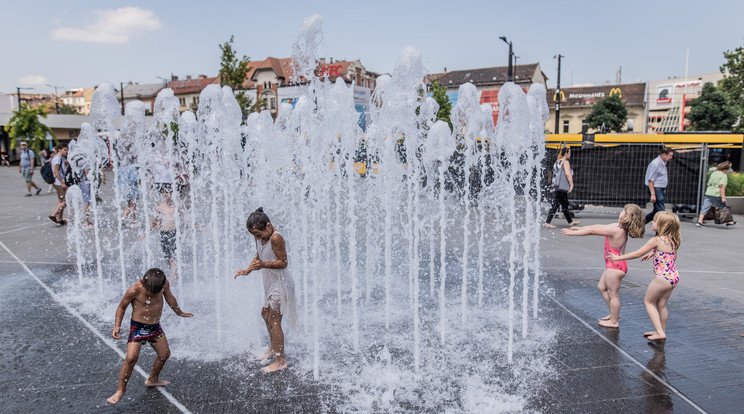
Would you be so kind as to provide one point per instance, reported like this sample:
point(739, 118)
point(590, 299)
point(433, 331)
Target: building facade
point(576, 104)
point(143, 92)
point(669, 101)
point(187, 90)
point(488, 81)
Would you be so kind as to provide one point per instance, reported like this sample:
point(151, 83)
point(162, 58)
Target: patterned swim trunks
point(141, 332)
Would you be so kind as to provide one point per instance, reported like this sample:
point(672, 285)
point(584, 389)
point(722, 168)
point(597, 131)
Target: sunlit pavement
point(54, 360)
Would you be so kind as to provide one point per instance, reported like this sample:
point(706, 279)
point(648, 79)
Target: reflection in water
point(658, 399)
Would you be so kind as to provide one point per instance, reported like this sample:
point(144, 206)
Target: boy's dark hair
point(154, 280)
point(257, 220)
point(665, 150)
point(61, 145)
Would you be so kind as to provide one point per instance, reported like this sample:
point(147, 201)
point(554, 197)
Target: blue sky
point(82, 43)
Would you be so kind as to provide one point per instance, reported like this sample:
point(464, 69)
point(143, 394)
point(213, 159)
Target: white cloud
point(33, 80)
point(111, 26)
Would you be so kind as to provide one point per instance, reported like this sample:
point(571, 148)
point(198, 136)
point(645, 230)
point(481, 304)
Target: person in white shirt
point(26, 167)
point(59, 168)
point(657, 180)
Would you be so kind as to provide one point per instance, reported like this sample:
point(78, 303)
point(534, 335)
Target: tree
point(711, 111)
point(24, 125)
point(610, 112)
point(68, 109)
point(732, 83)
point(233, 73)
point(439, 93)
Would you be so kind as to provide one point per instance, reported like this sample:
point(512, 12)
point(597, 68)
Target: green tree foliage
point(732, 83)
point(711, 111)
point(233, 73)
point(68, 109)
point(439, 93)
point(25, 125)
point(610, 112)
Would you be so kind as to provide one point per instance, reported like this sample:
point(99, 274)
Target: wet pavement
point(55, 359)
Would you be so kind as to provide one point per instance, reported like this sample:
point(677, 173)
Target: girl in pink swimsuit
point(663, 249)
point(630, 223)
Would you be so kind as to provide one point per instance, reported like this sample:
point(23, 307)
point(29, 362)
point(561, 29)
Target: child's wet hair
point(633, 221)
point(667, 224)
point(257, 220)
point(154, 280)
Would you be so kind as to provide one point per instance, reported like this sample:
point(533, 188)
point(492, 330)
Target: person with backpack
point(562, 185)
point(59, 167)
point(46, 170)
point(26, 168)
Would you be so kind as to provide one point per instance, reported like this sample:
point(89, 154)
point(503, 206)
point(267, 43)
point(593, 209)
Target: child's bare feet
point(275, 366)
point(574, 223)
point(270, 353)
point(549, 226)
point(155, 383)
point(608, 324)
point(655, 337)
point(649, 333)
point(116, 397)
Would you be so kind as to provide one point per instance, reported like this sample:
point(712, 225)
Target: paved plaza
point(55, 360)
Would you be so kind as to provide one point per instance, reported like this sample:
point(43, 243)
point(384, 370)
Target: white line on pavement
point(100, 336)
point(627, 355)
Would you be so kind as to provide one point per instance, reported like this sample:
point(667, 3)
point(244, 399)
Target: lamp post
point(558, 94)
point(56, 97)
point(511, 54)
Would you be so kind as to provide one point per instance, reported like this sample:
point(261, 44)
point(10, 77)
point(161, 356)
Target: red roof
point(194, 85)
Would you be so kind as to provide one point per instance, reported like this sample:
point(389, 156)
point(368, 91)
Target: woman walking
point(562, 185)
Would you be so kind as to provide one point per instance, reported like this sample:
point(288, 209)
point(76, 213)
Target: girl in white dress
point(279, 295)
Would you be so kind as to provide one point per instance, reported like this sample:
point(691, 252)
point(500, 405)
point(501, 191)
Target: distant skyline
point(83, 43)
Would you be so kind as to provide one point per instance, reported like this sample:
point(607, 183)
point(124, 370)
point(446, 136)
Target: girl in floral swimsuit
point(663, 249)
point(630, 223)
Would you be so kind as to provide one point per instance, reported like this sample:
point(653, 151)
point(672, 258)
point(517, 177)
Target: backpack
point(72, 178)
point(46, 172)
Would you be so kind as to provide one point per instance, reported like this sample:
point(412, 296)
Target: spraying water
point(367, 215)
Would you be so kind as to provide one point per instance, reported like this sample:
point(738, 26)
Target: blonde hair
point(633, 220)
point(667, 224)
point(724, 166)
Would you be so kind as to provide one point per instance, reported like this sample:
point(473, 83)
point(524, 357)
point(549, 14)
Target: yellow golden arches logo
point(616, 91)
point(563, 96)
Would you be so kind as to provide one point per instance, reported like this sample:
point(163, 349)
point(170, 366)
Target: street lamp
point(56, 97)
point(511, 54)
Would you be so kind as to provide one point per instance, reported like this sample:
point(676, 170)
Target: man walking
point(26, 168)
point(657, 180)
point(59, 169)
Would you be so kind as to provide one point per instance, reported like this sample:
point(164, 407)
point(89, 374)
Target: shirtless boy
point(146, 297)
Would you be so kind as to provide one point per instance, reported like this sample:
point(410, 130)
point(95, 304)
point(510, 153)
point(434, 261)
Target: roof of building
point(486, 76)
point(193, 85)
point(139, 91)
point(285, 71)
point(631, 94)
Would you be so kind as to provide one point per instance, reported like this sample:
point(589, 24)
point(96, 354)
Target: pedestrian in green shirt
point(715, 192)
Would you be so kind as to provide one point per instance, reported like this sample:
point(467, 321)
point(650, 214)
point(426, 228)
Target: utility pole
point(511, 55)
point(558, 96)
point(56, 97)
point(516, 72)
point(121, 84)
point(18, 93)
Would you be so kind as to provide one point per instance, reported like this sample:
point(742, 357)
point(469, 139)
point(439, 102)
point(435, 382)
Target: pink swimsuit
point(620, 265)
point(664, 266)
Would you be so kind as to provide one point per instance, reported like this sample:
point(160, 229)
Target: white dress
point(278, 283)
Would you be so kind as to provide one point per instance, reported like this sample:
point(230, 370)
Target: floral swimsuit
point(665, 267)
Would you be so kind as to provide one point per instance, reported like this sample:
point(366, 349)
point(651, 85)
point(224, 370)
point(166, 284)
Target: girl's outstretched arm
point(593, 230)
point(651, 244)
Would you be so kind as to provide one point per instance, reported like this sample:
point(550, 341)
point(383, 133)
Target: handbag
point(723, 215)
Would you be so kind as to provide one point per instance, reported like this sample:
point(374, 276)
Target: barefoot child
point(631, 222)
point(279, 296)
point(664, 246)
point(146, 297)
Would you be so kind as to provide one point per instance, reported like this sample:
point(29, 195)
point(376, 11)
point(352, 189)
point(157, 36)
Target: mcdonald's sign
point(616, 91)
point(563, 96)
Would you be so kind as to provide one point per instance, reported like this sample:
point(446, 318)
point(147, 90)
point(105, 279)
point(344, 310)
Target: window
point(273, 103)
point(584, 126)
point(631, 124)
point(182, 101)
point(565, 126)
